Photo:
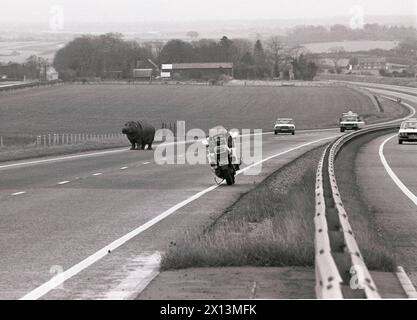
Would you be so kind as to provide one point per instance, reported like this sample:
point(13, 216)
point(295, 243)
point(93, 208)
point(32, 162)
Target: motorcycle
point(221, 155)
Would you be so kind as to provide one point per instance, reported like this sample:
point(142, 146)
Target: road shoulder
point(240, 283)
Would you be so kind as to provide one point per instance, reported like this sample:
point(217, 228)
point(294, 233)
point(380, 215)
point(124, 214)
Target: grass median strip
point(272, 225)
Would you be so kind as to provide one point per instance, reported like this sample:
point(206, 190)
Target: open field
point(104, 108)
point(19, 51)
point(351, 46)
point(407, 82)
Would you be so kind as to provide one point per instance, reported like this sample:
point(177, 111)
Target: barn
point(142, 74)
point(200, 70)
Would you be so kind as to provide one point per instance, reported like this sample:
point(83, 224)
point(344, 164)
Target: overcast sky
point(177, 10)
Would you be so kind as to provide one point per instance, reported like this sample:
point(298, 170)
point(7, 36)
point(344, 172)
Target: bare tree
point(336, 55)
point(274, 52)
point(243, 46)
point(192, 34)
point(297, 50)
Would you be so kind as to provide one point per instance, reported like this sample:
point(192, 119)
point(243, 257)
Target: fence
point(28, 85)
point(60, 139)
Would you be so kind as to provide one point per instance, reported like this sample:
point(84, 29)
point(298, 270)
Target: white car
point(351, 121)
point(408, 131)
point(284, 125)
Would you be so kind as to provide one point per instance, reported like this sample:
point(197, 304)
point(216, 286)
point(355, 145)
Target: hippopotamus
point(140, 134)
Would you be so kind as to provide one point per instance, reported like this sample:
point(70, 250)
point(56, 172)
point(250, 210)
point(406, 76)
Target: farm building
point(51, 74)
point(142, 74)
point(391, 67)
point(371, 63)
point(201, 70)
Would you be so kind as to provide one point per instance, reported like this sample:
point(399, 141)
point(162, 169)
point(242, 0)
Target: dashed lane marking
point(120, 150)
point(18, 193)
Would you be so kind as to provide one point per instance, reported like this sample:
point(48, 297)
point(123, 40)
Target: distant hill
point(205, 29)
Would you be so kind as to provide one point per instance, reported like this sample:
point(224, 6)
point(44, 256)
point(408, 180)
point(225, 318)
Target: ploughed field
point(105, 108)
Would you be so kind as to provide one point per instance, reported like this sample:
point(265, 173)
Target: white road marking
point(147, 162)
point(146, 268)
point(97, 174)
point(63, 182)
point(18, 193)
point(391, 173)
point(34, 162)
point(123, 168)
point(74, 270)
point(94, 154)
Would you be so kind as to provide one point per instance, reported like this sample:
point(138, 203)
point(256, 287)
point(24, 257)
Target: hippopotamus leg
point(143, 146)
point(133, 144)
point(149, 146)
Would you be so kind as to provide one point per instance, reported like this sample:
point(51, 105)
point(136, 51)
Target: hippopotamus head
point(130, 127)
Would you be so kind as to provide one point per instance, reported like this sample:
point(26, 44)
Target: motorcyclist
point(222, 151)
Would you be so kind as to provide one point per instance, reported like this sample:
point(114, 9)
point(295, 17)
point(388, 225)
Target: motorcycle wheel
point(229, 177)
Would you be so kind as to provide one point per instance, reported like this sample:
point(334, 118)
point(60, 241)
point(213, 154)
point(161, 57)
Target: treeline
point(250, 61)
point(30, 69)
point(108, 55)
point(310, 34)
point(99, 56)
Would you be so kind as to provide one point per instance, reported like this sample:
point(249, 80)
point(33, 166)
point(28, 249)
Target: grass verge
point(33, 151)
point(272, 225)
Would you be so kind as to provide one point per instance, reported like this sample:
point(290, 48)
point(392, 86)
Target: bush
point(67, 75)
point(177, 77)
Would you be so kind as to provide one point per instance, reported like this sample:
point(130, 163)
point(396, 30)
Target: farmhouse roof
point(203, 65)
point(51, 70)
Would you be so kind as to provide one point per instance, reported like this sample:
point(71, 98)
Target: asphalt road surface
point(62, 215)
point(387, 175)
